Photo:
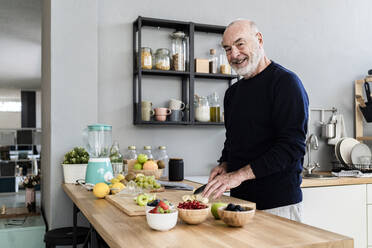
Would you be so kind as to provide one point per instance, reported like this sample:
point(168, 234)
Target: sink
point(319, 176)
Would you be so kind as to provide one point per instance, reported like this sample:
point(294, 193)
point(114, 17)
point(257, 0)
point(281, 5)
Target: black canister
point(175, 169)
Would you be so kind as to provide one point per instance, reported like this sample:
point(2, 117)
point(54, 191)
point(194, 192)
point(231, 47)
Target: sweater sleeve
point(289, 117)
point(226, 146)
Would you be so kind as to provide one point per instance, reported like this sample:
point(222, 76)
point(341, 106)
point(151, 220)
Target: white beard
point(254, 59)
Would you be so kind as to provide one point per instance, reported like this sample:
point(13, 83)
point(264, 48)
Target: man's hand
point(218, 170)
point(219, 183)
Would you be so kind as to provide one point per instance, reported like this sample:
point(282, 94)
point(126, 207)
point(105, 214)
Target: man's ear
point(260, 38)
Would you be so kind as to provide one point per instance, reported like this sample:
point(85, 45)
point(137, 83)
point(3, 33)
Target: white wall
point(69, 93)
point(20, 44)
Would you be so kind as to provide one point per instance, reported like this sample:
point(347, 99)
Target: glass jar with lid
point(224, 63)
point(146, 58)
point(179, 49)
point(202, 109)
point(162, 59)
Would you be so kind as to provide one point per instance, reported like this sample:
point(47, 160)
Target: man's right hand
point(218, 170)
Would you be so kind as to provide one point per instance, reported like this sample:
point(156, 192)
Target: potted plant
point(75, 164)
point(30, 183)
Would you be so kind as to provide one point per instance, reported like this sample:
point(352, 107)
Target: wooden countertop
point(306, 183)
point(266, 230)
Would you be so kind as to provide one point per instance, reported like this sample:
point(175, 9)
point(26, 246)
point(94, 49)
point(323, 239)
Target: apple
point(137, 166)
point(214, 208)
point(142, 158)
point(142, 199)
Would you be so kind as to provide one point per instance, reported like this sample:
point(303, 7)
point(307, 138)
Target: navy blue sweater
point(266, 124)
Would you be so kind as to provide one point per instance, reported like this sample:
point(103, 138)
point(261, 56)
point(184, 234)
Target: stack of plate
point(349, 151)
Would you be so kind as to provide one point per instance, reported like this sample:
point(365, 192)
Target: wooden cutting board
point(130, 207)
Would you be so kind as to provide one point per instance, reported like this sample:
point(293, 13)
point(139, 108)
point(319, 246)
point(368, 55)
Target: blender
point(98, 142)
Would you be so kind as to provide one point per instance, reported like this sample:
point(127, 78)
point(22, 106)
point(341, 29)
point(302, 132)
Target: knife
point(200, 189)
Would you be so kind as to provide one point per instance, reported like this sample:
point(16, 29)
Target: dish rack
point(338, 166)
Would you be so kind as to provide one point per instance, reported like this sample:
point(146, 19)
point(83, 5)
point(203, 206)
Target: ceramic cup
point(162, 111)
point(146, 104)
point(146, 113)
point(175, 104)
point(160, 117)
point(176, 115)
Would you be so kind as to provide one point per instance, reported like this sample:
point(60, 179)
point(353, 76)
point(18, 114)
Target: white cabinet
point(339, 209)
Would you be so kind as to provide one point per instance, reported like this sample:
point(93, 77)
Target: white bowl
point(162, 222)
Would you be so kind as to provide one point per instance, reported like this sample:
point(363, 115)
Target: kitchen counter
point(266, 230)
point(307, 183)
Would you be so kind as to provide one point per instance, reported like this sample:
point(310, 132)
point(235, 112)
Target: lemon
point(117, 187)
point(114, 180)
point(100, 190)
point(120, 177)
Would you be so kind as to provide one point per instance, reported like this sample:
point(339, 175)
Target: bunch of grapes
point(147, 182)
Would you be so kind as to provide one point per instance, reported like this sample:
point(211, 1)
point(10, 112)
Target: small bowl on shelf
point(162, 222)
point(194, 216)
point(236, 218)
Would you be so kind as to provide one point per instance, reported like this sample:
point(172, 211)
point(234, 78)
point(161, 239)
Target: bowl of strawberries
point(162, 217)
point(193, 212)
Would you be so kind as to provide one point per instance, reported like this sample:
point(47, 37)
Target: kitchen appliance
point(97, 139)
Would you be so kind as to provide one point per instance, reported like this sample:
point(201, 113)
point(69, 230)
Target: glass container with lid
point(202, 109)
point(148, 152)
point(179, 50)
point(162, 59)
point(146, 58)
point(224, 63)
point(214, 107)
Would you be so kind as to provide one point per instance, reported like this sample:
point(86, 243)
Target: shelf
point(196, 123)
point(162, 123)
point(209, 28)
point(215, 76)
point(154, 22)
point(164, 73)
point(187, 78)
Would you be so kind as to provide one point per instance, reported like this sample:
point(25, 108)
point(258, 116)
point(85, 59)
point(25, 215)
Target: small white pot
point(73, 172)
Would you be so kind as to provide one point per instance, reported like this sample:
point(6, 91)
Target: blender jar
point(99, 140)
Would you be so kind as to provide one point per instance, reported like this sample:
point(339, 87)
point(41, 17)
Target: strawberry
point(154, 211)
point(163, 205)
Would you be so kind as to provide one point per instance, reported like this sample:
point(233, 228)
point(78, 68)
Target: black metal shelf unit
point(188, 76)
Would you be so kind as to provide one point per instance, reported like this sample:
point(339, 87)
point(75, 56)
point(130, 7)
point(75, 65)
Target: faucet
point(311, 143)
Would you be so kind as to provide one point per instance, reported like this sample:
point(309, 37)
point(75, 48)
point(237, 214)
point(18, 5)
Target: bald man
point(266, 114)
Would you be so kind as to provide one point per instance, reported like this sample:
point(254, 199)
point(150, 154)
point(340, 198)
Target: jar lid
point(99, 127)
point(131, 147)
point(162, 148)
point(147, 147)
point(178, 34)
point(146, 48)
point(162, 50)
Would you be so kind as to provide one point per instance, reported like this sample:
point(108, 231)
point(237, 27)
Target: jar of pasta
point(162, 59)
point(146, 58)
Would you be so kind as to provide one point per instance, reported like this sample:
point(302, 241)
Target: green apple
point(142, 199)
point(214, 208)
point(137, 166)
point(142, 158)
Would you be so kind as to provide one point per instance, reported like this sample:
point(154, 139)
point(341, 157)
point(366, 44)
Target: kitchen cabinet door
point(339, 209)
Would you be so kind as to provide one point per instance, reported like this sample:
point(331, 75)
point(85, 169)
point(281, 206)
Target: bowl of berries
point(193, 212)
point(236, 215)
point(162, 217)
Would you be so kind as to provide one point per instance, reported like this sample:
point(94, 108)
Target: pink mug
point(162, 111)
point(160, 117)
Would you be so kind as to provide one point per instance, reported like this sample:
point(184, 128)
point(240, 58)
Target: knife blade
point(200, 189)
